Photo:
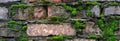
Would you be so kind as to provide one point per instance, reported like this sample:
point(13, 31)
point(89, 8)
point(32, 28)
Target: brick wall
point(39, 20)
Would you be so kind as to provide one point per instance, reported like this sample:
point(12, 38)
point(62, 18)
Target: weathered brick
point(36, 14)
point(39, 13)
point(20, 15)
point(3, 13)
point(56, 11)
point(112, 10)
point(50, 29)
point(92, 29)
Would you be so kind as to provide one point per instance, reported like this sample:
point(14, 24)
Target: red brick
point(50, 29)
point(91, 28)
point(39, 12)
point(20, 15)
point(56, 11)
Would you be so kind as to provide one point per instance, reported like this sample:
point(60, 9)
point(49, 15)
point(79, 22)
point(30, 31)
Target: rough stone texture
point(96, 10)
point(112, 10)
point(5, 1)
point(50, 29)
point(39, 12)
point(20, 15)
point(92, 29)
point(3, 13)
point(56, 11)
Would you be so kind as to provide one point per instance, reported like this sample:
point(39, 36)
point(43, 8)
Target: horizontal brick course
point(50, 29)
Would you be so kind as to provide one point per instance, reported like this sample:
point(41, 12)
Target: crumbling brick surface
point(50, 29)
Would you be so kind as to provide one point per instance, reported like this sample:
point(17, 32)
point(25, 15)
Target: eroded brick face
point(39, 12)
point(56, 11)
point(50, 29)
point(93, 29)
point(20, 15)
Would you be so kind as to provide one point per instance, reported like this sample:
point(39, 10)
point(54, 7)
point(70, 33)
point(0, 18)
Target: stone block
point(3, 13)
point(56, 11)
point(50, 29)
point(27, 14)
point(5, 1)
point(92, 29)
point(112, 10)
point(96, 11)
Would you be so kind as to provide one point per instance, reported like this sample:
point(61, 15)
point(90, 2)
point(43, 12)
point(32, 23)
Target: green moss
point(114, 17)
point(111, 38)
point(12, 23)
point(23, 37)
point(56, 38)
point(78, 24)
point(2, 39)
point(80, 7)
point(93, 3)
point(69, 8)
point(13, 12)
point(31, 10)
point(24, 28)
point(74, 11)
point(55, 17)
point(79, 30)
point(88, 12)
point(57, 22)
point(108, 28)
point(92, 37)
point(19, 23)
point(14, 29)
point(113, 3)
point(22, 6)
